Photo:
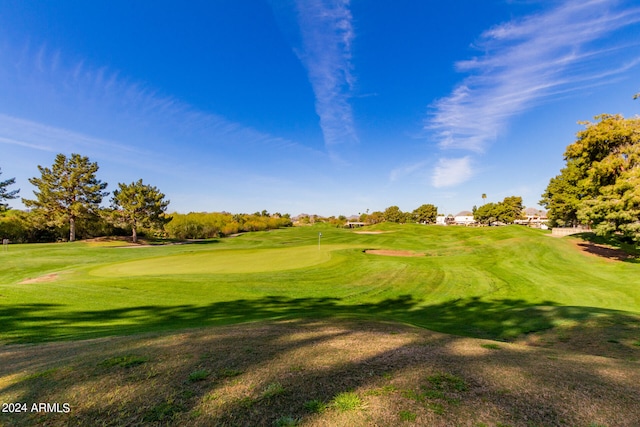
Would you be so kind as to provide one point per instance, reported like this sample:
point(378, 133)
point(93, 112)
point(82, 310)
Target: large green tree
point(511, 209)
point(5, 194)
point(426, 213)
point(506, 211)
point(600, 183)
point(138, 204)
point(375, 217)
point(393, 214)
point(562, 197)
point(487, 213)
point(67, 191)
point(616, 208)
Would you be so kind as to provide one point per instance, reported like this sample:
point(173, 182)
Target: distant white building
point(534, 218)
point(464, 218)
point(354, 224)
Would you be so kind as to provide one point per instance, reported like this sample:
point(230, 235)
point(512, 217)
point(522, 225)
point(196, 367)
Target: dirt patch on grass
point(46, 278)
point(264, 374)
point(114, 242)
point(603, 251)
point(107, 239)
point(391, 252)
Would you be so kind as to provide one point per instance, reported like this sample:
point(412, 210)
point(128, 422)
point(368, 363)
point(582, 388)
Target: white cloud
point(30, 134)
point(406, 170)
point(452, 171)
point(327, 32)
point(21, 143)
point(528, 61)
point(72, 106)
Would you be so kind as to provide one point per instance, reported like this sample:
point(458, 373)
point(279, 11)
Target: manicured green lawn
point(222, 261)
point(484, 282)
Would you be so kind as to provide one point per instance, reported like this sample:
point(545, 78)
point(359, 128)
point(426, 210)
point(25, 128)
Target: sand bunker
point(389, 252)
point(46, 278)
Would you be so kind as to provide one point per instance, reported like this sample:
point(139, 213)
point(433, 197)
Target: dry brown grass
point(598, 336)
point(257, 373)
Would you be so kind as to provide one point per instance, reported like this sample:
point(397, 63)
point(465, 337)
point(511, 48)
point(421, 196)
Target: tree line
point(68, 198)
point(67, 205)
point(205, 225)
point(424, 214)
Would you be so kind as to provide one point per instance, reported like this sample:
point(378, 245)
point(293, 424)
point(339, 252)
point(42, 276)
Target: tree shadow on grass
point(388, 365)
point(612, 248)
point(172, 398)
point(503, 319)
point(202, 241)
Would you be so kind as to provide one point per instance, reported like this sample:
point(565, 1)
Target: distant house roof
point(464, 213)
point(534, 211)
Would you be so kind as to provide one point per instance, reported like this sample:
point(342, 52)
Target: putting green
point(223, 262)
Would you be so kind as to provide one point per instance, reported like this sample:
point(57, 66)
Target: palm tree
point(484, 196)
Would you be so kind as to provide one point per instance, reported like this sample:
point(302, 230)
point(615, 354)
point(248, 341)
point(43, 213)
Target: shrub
point(408, 416)
point(315, 406)
point(199, 375)
point(347, 401)
point(273, 389)
point(286, 421)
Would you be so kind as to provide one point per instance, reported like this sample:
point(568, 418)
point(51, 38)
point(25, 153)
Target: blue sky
point(316, 106)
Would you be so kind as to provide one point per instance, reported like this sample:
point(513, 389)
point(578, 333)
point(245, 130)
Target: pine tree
point(67, 191)
point(5, 194)
point(138, 204)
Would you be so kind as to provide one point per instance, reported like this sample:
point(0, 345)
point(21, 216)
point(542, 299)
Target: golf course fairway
point(492, 282)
